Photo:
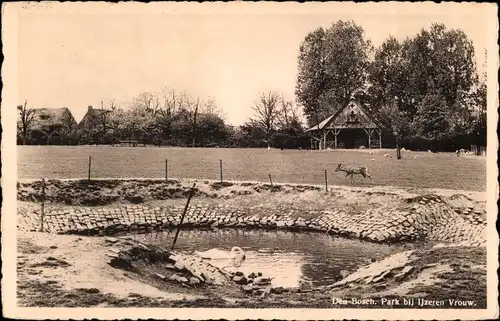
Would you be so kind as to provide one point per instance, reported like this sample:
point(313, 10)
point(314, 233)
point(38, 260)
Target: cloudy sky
point(76, 56)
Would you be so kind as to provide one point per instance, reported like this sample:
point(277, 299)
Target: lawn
point(416, 169)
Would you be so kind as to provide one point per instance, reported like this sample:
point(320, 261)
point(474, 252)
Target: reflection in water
point(288, 257)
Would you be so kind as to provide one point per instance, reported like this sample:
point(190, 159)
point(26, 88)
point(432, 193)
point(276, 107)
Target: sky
point(79, 56)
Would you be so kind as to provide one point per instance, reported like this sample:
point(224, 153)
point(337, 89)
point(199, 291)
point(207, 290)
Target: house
point(94, 125)
point(93, 118)
point(47, 117)
point(51, 125)
point(351, 126)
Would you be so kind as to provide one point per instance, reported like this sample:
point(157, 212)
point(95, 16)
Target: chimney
point(90, 108)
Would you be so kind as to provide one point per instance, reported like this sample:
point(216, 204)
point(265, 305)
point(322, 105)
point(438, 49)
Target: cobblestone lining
point(426, 218)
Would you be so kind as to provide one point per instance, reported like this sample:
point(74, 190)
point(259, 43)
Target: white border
point(10, 98)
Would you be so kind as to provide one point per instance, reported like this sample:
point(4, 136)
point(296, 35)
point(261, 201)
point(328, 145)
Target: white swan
point(214, 254)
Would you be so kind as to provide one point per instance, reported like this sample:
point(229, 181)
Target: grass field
point(416, 169)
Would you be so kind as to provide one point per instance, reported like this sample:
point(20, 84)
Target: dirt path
point(77, 263)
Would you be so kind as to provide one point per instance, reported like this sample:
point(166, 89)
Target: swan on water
point(214, 254)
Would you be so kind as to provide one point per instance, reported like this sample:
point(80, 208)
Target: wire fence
point(348, 171)
point(415, 169)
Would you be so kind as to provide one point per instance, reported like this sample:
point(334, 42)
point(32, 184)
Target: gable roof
point(321, 125)
point(51, 116)
point(328, 120)
point(91, 116)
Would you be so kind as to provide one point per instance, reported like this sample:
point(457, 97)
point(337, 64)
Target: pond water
point(290, 258)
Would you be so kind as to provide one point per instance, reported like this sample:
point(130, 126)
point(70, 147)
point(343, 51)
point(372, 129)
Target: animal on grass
point(354, 170)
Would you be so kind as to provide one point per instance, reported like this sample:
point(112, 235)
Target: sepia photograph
point(249, 160)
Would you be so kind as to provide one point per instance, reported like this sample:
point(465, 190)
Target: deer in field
point(354, 170)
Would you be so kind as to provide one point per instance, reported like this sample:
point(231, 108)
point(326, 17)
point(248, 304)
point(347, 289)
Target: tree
point(312, 81)
point(213, 128)
point(388, 76)
point(434, 63)
point(289, 125)
point(332, 67)
point(440, 60)
point(105, 119)
point(288, 114)
point(169, 112)
point(431, 121)
point(191, 110)
point(395, 118)
point(145, 108)
point(118, 122)
point(27, 116)
point(251, 134)
point(346, 61)
point(266, 114)
point(479, 106)
point(139, 119)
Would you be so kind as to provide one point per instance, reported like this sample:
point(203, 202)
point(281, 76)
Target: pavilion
point(351, 126)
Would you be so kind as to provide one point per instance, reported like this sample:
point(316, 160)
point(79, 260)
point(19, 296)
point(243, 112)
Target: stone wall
point(427, 218)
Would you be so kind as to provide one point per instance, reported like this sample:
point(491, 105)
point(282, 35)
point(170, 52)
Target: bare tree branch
point(266, 113)
point(26, 121)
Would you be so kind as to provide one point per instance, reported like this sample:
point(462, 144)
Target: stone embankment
point(173, 266)
point(177, 266)
point(426, 218)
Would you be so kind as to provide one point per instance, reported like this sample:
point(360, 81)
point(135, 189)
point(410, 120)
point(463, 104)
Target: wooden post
point(166, 169)
point(326, 180)
point(398, 150)
point(42, 210)
point(369, 132)
point(90, 165)
point(379, 138)
point(183, 215)
point(135, 225)
point(336, 132)
point(221, 170)
point(271, 180)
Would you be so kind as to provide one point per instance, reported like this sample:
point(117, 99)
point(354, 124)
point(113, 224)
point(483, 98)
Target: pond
point(290, 258)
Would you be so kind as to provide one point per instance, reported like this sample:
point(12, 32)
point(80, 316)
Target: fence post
point(90, 165)
point(166, 169)
point(326, 180)
point(221, 170)
point(183, 214)
point(271, 180)
point(43, 205)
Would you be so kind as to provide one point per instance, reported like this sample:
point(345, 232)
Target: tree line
point(169, 118)
point(425, 90)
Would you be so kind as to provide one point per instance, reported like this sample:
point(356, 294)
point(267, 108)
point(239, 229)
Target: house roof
point(96, 112)
point(327, 121)
point(50, 116)
point(321, 125)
